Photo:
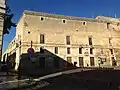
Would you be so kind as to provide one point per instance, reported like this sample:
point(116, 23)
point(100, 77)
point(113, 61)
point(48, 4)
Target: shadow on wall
point(43, 62)
point(9, 62)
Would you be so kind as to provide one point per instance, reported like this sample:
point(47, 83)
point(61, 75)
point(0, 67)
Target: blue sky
point(81, 8)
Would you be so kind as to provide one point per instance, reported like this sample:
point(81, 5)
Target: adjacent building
point(59, 40)
point(2, 12)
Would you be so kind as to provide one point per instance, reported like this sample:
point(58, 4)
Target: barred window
point(111, 50)
point(68, 40)
point(56, 50)
point(80, 50)
point(42, 38)
point(68, 50)
point(91, 50)
point(90, 40)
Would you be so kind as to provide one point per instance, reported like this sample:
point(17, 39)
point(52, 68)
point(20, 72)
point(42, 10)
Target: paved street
point(88, 80)
point(7, 77)
point(82, 79)
point(75, 82)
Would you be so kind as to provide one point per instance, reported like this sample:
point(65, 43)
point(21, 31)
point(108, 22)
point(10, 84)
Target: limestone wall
point(55, 32)
point(2, 11)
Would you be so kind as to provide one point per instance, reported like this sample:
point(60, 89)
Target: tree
point(8, 21)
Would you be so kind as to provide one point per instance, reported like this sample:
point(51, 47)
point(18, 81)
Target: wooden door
point(81, 63)
point(92, 61)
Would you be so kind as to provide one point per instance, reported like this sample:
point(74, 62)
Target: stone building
point(58, 38)
point(2, 12)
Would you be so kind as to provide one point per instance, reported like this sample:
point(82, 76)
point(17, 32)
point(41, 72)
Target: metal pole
point(31, 44)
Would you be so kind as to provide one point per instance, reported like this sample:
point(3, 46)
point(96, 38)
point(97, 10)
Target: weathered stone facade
point(89, 39)
point(2, 12)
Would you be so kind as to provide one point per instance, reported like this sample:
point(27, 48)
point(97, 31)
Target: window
point(91, 50)
point(84, 23)
point(68, 40)
point(108, 24)
point(92, 63)
point(69, 61)
point(41, 50)
point(110, 41)
point(81, 63)
point(28, 32)
point(111, 51)
point(42, 41)
point(25, 24)
point(42, 18)
point(20, 42)
point(56, 50)
point(75, 63)
point(101, 51)
point(19, 37)
point(76, 30)
point(63, 21)
point(113, 61)
point(68, 50)
point(17, 45)
point(80, 50)
point(90, 40)
point(118, 24)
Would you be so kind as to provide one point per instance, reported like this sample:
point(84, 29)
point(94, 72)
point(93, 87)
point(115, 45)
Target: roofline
point(20, 18)
point(28, 12)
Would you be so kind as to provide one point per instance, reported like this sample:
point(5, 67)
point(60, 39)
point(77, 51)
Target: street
point(84, 80)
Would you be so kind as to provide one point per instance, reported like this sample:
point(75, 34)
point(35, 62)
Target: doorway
point(92, 61)
point(81, 63)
